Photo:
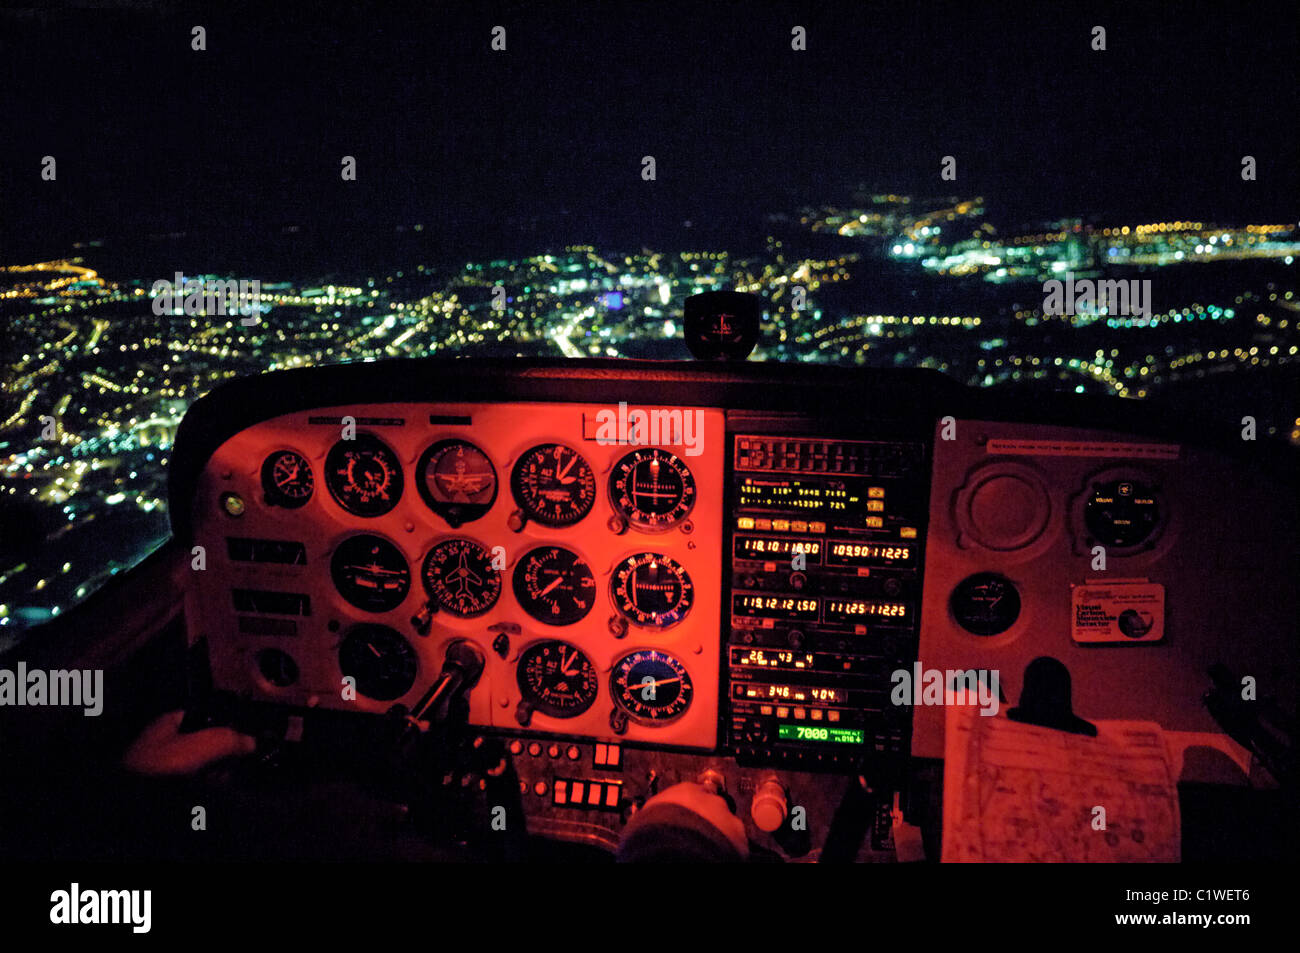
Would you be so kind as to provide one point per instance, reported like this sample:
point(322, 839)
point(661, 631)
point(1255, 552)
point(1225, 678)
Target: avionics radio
point(827, 543)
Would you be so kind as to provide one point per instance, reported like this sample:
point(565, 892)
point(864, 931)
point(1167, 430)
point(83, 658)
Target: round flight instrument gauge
point(652, 686)
point(287, 479)
point(652, 590)
point(652, 488)
point(371, 573)
point(985, 603)
point(1121, 513)
point(458, 575)
point(553, 485)
point(382, 662)
point(554, 585)
point(457, 481)
point(364, 476)
point(557, 679)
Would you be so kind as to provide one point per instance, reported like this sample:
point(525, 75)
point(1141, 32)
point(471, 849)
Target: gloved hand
point(686, 822)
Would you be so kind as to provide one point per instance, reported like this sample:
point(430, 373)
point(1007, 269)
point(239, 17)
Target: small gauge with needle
point(382, 662)
point(287, 479)
point(985, 604)
point(651, 686)
point(553, 485)
point(556, 679)
point(364, 476)
point(554, 585)
point(652, 489)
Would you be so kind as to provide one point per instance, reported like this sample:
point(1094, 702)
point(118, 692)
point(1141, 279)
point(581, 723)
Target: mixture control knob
point(769, 808)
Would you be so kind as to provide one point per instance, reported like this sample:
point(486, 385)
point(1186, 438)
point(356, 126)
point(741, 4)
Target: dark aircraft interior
point(593, 610)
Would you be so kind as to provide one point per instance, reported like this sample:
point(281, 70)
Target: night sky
point(247, 136)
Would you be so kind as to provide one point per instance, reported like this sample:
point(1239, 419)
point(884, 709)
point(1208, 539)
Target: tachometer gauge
point(371, 573)
point(364, 476)
point(287, 479)
point(382, 662)
point(652, 488)
point(553, 485)
point(1121, 513)
point(457, 481)
point(652, 590)
point(557, 679)
point(985, 603)
point(554, 585)
point(653, 687)
point(458, 575)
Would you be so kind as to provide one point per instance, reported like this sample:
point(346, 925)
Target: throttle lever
point(461, 668)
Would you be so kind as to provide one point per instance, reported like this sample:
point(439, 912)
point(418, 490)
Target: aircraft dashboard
point(621, 575)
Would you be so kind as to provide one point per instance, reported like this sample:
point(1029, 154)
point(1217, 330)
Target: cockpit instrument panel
point(598, 562)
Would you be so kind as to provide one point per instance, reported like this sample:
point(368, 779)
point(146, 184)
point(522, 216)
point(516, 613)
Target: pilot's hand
point(161, 749)
point(685, 822)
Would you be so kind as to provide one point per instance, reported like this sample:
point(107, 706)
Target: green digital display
point(839, 736)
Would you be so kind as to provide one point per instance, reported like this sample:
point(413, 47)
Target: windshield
point(1015, 204)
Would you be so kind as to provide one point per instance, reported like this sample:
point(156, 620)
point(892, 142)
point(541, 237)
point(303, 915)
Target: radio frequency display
point(840, 552)
point(762, 547)
point(763, 606)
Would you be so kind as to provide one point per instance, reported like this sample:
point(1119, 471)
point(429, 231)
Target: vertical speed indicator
point(554, 585)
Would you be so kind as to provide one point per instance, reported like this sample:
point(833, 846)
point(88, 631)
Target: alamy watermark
point(934, 686)
point(658, 427)
point(196, 296)
point(60, 687)
point(77, 906)
point(1070, 297)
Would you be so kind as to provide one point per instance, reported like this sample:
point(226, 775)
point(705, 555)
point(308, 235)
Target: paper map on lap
point(1015, 792)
